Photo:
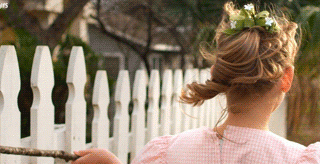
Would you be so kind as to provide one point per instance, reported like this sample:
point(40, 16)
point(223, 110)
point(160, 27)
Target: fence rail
point(161, 120)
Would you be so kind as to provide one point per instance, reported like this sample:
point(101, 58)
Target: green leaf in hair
point(248, 22)
point(262, 14)
point(230, 31)
point(247, 19)
point(261, 22)
point(245, 13)
point(237, 17)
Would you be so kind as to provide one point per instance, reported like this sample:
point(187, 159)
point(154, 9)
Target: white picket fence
point(71, 136)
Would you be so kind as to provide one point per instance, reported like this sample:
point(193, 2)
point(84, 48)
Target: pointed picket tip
point(177, 85)
point(140, 84)
point(101, 88)
point(76, 68)
point(154, 85)
point(167, 82)
point(176, 107)
point(123, 87)
point(9, 70)
point(42, 69)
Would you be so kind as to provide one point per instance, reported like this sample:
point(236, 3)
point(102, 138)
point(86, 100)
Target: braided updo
point(251, 61)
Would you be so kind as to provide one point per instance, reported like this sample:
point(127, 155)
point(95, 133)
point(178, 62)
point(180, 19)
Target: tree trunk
point(72, 9)
point(19, 18)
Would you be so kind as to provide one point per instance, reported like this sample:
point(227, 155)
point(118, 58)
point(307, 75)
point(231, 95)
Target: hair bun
point(250, 61)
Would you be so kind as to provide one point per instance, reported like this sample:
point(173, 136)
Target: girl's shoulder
point(283, 149)
point(281, 142)
point(202, 145)
point(156, 150)
point(310, 155)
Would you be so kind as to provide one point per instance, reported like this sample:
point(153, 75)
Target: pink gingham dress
point(243, 145)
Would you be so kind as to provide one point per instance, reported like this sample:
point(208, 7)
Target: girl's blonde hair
point(251, 61)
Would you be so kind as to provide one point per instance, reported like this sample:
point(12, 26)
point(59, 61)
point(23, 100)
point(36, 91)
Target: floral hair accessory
point(247, 19)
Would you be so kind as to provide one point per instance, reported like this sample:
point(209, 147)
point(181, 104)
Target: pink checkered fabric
point(243, 145)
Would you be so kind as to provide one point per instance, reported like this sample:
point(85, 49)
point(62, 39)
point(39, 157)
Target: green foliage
point(308, 60)
point(25, 46)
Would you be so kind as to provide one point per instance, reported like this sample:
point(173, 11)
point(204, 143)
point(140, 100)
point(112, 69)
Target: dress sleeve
point(310, 155)
point(154, 152)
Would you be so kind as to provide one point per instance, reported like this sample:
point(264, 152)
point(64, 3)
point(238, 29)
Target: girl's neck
point(246, 120)
point(254, 114)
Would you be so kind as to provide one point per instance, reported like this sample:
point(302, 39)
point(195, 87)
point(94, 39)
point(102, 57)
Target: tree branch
point(182, 42)
point(63, 21)
point(19, 18)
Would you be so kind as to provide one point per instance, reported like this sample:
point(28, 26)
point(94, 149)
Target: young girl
point(254, 68)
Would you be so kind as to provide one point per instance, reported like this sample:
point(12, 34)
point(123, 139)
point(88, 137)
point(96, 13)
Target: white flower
point(248, 6)
point(233, 24)
point(269, 21)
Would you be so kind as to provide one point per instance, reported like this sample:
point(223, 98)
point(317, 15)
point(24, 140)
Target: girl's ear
point(287, 78)
point(211, 71)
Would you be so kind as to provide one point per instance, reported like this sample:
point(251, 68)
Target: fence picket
point(9, 112)
point(100, 102)
point(153, 106)
point(196, 110)
point(59, 140)
point(42, 109)
point(186, 119)
point(176, 105)
point(212, 113)
point(203, 111)
point(138, 113)
point(121, 119)
point(76, 104)
point(166, 96)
